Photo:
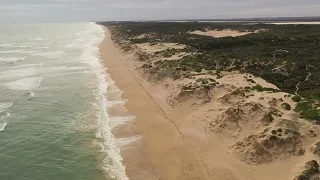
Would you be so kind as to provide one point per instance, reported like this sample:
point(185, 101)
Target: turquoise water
point(53, 120)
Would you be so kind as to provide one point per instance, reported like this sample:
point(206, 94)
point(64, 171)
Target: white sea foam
point(63, 74)
point(40, 47)
point(38, 39)
point(11, 51)
point(5, 106)
point(5, 116)
point(126, 141)
point(65, 70)
point(22, 72)
point(53, 54)
point(116, 103)
point(21, 66)
point(119, 120)
point(12, 59)
point(24, 84)
point(2, 126)
point(72, 45)
point(20, 46)
point(113, 163)
point(6, 45)
point(59, 69)
point(28, 52)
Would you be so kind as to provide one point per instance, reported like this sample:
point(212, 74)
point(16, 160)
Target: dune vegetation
point(287, 56)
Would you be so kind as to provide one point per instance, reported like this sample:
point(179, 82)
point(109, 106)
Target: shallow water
point(53, 111)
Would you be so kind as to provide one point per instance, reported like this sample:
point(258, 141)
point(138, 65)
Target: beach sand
point(220, 34)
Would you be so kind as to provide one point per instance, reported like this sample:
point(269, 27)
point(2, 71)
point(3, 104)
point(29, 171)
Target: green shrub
point(198, 70)
point(303, 106)
point(307, 111)
point(296, 98)
point(312, 114)
point(259, 88)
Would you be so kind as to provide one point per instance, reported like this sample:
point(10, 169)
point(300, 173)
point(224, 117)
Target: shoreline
point(161, 152)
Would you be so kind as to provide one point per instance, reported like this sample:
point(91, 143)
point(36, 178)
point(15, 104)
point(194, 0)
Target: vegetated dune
point(315, 149)
point(239, 117)
point(163, 51)
point(260, 127)
point(256, 126)
point(309, 171)
point(273, 143)
point(153, 48)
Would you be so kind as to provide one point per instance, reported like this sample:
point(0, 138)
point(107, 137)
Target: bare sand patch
point(223, 33)
point(243, 80)
point(153, 48)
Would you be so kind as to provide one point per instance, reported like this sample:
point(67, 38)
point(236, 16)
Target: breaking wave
point(113, 162)
point(2, 126)
point(24, 84)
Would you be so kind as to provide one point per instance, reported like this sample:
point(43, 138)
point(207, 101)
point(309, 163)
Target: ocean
point(54, 122)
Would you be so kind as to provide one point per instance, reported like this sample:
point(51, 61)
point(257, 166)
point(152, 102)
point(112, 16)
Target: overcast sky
point(96, 10)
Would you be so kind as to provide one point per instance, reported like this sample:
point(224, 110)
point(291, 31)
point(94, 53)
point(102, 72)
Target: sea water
point(54, 123)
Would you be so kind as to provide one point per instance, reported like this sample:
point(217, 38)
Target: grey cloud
point(96, 10)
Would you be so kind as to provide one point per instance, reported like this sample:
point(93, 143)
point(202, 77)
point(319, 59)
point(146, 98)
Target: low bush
point(296, 98)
